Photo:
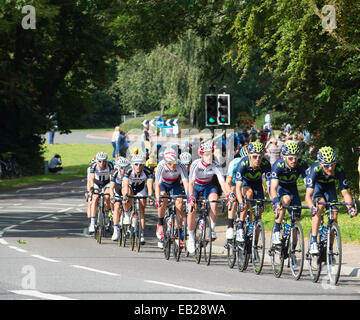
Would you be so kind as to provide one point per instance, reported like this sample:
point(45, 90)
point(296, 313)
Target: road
point(46, 253)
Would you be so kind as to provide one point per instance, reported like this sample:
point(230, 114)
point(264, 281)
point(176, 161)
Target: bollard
point(46, 167)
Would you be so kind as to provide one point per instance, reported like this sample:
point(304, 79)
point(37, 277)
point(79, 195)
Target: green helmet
point(326, 155)
point(290, 147)
point(256, 147)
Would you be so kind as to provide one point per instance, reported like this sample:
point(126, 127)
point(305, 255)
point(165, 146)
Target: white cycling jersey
point(164, 174)
point(117, 176)
point(102, 176)
point(203, 174)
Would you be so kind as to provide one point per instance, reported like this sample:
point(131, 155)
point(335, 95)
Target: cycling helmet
point(243, 152)
point(138, 158)
point(326, 155)
point(256, 147)
point(122, 162)
point(185, 158)
point(206, 147)
point(101, 156)
point(290, 147)
point(93, 160)
point(170, 155)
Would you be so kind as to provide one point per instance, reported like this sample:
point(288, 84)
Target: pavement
point(350, 252)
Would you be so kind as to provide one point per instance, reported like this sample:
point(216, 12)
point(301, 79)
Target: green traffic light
point(211, 120)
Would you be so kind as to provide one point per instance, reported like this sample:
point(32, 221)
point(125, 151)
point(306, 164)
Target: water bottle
point(133, 221)
point(237, 233)
point(249, 226)
point(286, 230)
point(169, 224)
point(201, 224)
point(322, 233)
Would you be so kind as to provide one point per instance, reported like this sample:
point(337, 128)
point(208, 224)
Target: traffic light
point(223, 109)
point(211, 110)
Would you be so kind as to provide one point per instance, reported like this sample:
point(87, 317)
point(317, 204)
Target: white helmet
point(170, 155)
point(101, 156)
point(138, 158)
point(206, 147)
point(122, 162)
point(185, 158)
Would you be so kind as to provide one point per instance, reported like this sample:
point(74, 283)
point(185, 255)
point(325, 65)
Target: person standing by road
point(122, 144)
point(114, 140)
point(273, 150)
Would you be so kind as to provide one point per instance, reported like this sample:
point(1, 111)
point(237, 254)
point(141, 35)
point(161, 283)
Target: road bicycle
point(254, 233)
point(329, 245)
point(100, 225)
point(135, 227)
point(292, 245)
point(172, 228)
point(203, 232)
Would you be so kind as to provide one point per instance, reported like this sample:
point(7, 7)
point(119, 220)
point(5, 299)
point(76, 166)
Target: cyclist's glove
point(192, 199)
point(352, 211)
point(313, 210)
point(276, 203)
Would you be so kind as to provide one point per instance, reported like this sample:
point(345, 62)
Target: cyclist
point(87, 194)
point(320, 184)
point(186, 160)
point(100, 173)
point(167, 180)
point(137, 180)
point(283, 190)
point(249, 180)
point(201, 175)
point(230, 184)
point(116, 193)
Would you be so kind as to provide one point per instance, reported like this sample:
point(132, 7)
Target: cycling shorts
point(172, 188)
point(205, 189)
point(327, 191)
point(258, 191)
point(291, 191)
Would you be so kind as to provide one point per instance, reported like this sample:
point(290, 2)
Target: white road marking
point(41, 295)
point(187, 288)
point(96, 270)
point(46, 216)
point(2, 241)
point(25, 222)
point(17, 249)
point(43, 258)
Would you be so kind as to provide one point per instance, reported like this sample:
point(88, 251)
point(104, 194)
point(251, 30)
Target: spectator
point(114, 140)
point(51, 135)
point(122, 144)
point(55, 163)
point(145, 137)
point(273, 150)
point(267, 124)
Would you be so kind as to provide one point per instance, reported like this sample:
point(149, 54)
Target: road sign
point(145, 122)
point(160, 123)
point(152, 123)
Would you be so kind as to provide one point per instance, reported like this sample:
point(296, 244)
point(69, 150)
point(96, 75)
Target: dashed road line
point(96, 270)
point(41, 295)
point(44, 258)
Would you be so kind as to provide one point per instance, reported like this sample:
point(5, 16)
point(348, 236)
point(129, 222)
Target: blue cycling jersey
point(245, 173)
point(286, 175)
point(232, 169)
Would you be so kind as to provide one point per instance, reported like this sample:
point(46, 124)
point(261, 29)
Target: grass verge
point(75, 158)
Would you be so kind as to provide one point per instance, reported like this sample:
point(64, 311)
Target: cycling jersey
point(286, 175)
point(316, 175)
point(102, 176)
point(232, 169)
point(137, 182)
point(117, 178)
point(203, 174)
point(250, 176)
point(164, 174)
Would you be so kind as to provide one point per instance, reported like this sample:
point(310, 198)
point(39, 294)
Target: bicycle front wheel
point(334, 253)
point(167, 237)
point(258, 246)
point(277, 255)
point(207, 241)
point(296, 250)
point(199, 230)
point(231, 253)
point(138, 231)
point(185, 237)
point(176, 237)
point(314, 262)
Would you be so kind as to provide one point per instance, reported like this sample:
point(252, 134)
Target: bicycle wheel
point(99, 228)
point(167, 237)
point(185, 236)
point(121, 230)
point(231, 253)
point(207, 241)
point(138, 231)
point(133, 231)
point(314, 262)
point(243, 254)
point(334, 254)
point(276, 253)
point(296, 250)
point(176, 238)
point(199, 229)
point(258, 246)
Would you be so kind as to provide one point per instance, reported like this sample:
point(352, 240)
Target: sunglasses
point(330, 165)
point(255, 156)
point(291, 158)
point(138, 164)
point(171, 163)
